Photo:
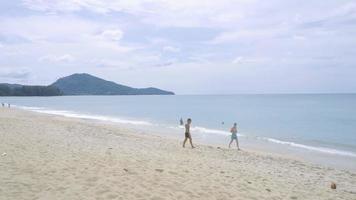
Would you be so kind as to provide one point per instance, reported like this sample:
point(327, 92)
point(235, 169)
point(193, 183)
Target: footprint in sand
point(112, 196)
point(92, 179)
point(157, 198)
point(101, 192)
point(172, 172)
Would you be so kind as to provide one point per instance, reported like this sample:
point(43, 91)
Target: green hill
point(86, 84)
point(78, 84)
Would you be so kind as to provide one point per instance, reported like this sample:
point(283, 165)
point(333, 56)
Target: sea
point(317, 128)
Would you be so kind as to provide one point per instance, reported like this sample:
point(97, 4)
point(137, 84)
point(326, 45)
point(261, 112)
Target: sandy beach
point(51, 157)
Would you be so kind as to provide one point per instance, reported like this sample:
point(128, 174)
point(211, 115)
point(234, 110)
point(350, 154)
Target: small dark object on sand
point(218, 147)
point(126, 170)
point(333, 186)
point(159, 170)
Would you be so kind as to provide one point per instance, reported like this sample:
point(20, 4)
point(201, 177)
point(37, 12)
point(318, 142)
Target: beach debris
point(268, 190)
point(159, 170)
point(126, 170)
point(4, 154)
point(249, 182)
point(218, 147)
point(294, 197)
point(333, 185)
point(222, 172)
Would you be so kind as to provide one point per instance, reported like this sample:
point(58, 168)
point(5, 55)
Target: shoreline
point(56, 157)
point(134, 131)
point(323, 156)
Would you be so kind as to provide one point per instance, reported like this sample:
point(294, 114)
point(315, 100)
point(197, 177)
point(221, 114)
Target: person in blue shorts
point(234, 136)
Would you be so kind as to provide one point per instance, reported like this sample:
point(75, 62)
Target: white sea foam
point(72, 114)
point(312, 148)
point(204, 130)
point(207, 130)
point(28, 107)
point(197, 129)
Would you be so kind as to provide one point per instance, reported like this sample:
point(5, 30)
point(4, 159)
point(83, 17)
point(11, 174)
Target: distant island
point(78, 84)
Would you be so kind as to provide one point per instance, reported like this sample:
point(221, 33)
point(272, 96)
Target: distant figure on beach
point(187, 133)
point(181, 122)
point(3, 105)
point(234, 136)
point(9, 105)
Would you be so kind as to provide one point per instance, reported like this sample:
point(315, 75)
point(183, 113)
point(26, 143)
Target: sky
point(189, 47)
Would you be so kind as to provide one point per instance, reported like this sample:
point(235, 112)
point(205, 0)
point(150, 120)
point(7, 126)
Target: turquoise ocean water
point(317, 127)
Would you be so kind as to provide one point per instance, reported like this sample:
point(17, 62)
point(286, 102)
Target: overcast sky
point(190, 47)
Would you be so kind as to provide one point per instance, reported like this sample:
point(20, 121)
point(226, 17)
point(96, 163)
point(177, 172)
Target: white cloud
point(158, 41)
point(185, 13)
point(45, 28)
point(55, 58)
point(112, 34)
point(171, 49)
point(113, 37)
point(299, 37)
point(243, 60)
point(248, 35)
point(237, 60)
point(9, 74)
point(61, 35)
point(65, 5)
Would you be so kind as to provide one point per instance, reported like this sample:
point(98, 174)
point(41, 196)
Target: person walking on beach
point(187, 133)
point(181, 122)
point(234, 136)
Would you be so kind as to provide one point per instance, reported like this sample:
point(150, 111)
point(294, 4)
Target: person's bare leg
point(237, 144)
point(230, 143)
point(191, 142)
point(185, 140)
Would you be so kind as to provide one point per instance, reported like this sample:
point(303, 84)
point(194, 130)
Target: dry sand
point(50, 157)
